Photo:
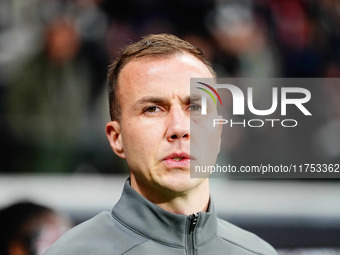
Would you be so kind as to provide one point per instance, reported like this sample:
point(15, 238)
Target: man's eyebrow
point(163, 101)
point(192, 99)
point(151, 99)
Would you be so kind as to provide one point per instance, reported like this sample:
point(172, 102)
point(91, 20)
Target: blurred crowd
point(54, 56)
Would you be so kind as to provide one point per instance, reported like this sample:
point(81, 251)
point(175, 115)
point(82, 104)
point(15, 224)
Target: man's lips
point(177, 160)
point(181, 155)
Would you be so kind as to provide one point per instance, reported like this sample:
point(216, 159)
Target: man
point(162, 210)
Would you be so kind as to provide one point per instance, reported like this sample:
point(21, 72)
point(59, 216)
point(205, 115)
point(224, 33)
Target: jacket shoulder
point(100, 235)
point(244, 239)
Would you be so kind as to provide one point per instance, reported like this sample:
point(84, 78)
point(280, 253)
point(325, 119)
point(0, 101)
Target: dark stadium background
point(53, 103)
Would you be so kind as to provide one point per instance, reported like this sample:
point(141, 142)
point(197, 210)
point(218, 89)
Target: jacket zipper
point(192, 225)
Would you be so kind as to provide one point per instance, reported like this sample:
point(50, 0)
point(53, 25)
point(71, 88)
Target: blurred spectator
point(242, 41)
point(48, 100)
point(27, 228)
point(56, 96)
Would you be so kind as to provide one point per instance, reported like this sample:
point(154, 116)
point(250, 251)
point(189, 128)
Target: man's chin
point(180, 183)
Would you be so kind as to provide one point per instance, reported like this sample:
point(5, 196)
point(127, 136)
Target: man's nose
point(178, 125)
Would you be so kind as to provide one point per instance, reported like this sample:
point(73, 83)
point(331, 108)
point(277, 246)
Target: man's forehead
point(152, 65)
point(165, 77)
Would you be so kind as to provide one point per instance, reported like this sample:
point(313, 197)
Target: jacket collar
point(151, 221)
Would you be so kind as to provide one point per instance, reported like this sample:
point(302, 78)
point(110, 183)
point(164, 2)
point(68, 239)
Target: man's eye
point(194, 107)
point(152, 109)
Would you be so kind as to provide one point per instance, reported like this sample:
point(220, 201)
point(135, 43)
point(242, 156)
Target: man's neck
point(187, 202)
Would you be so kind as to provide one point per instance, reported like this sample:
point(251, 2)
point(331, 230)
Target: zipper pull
point(193, 223)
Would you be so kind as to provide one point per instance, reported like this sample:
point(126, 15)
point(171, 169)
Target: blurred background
point(53, 103)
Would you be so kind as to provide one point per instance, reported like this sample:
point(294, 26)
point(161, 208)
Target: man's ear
point(113, 134)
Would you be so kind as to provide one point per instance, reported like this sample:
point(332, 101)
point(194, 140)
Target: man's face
point(154, 131)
